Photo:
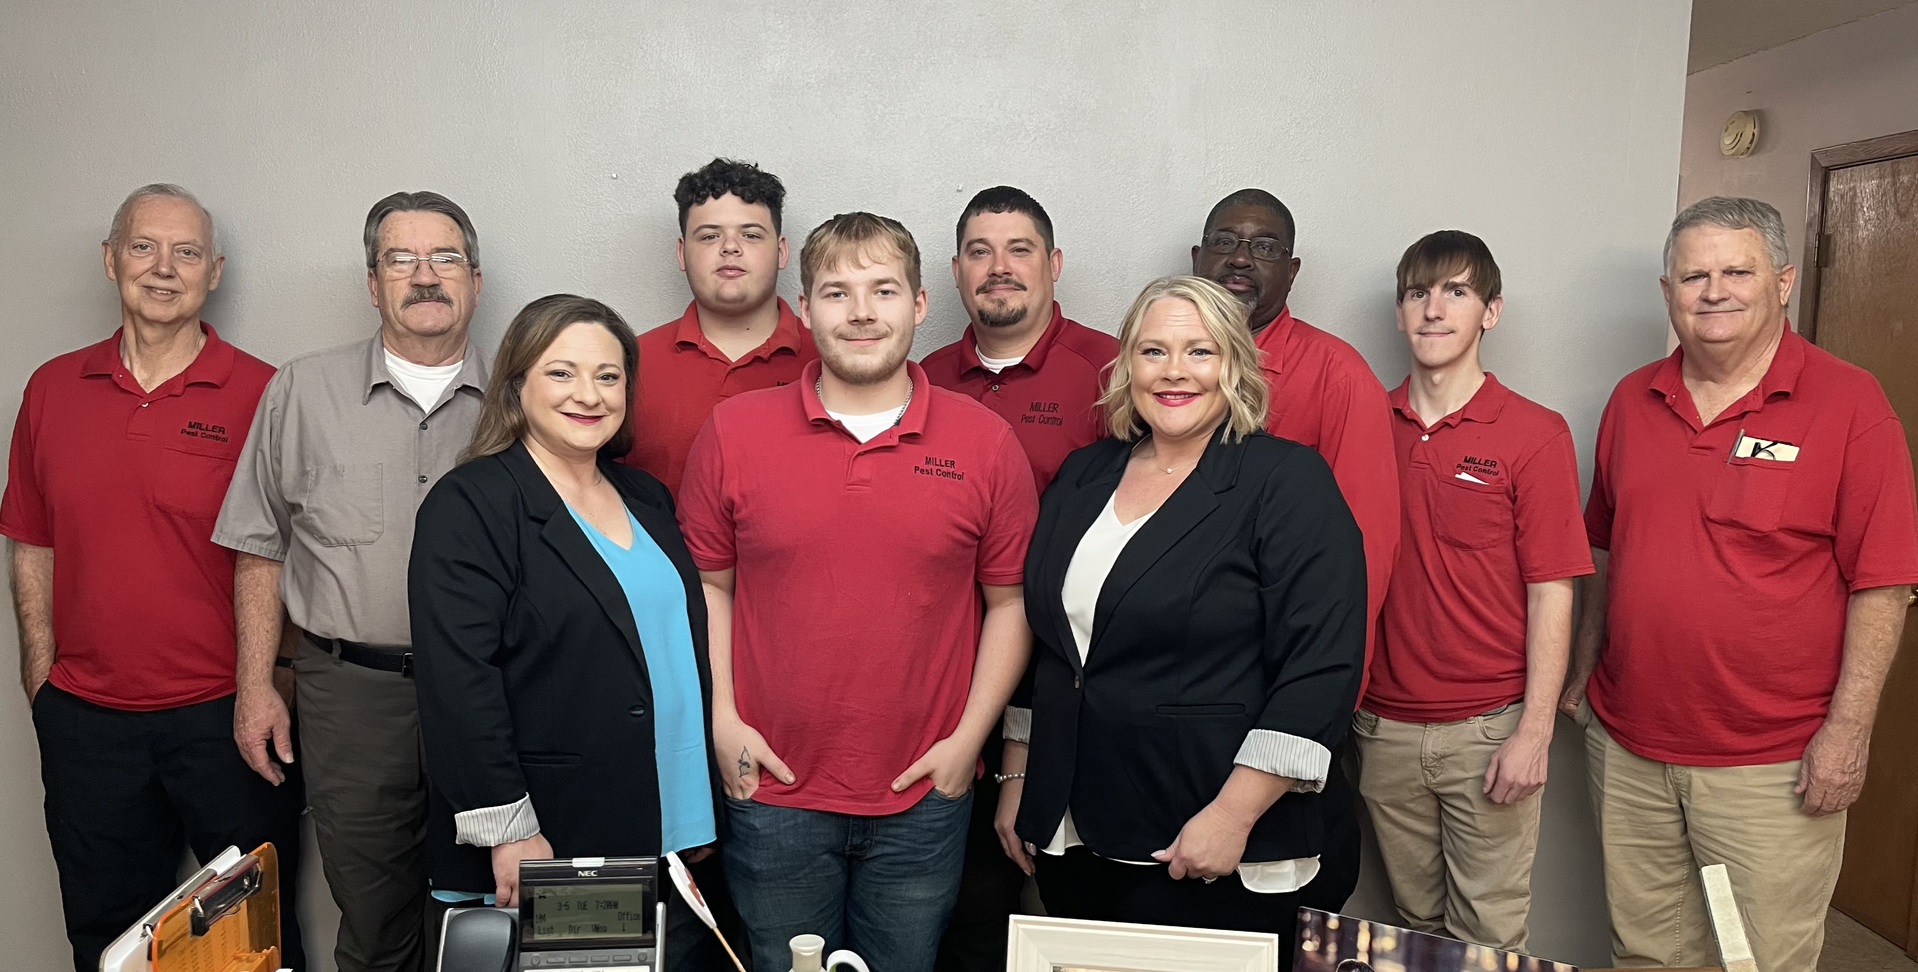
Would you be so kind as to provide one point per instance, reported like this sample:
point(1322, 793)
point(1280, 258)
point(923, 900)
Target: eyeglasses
point(1264, 248)
point(400, 263)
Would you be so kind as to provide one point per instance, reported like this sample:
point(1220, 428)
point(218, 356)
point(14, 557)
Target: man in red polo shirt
point(861, 535)
point(1753, 522)
point(1454, 731)
point(737, 335)
point(121, 456)
point(1325, 396)
point(1042, 373)
point(1021, 356)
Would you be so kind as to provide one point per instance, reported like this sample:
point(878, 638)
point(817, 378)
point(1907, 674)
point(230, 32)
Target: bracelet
point(282, 661)
point(1002, 777)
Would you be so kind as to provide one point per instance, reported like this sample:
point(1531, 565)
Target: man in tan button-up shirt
point(345, 445)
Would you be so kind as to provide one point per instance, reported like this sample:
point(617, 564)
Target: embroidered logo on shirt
point(1042, 413)
point(206, 430)
point(1476, 469)
point(941, 468)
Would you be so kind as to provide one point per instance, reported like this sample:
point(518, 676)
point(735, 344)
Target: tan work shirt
point(333, 471)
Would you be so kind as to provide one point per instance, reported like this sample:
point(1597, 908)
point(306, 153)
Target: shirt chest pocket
point(341, 505)
point(190, 480)
point(1471, 516)
point(1750, 494)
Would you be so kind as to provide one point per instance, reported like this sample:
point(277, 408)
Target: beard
point(1002, 315)
point(870, 368)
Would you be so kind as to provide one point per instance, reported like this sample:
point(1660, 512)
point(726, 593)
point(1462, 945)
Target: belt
point(366, 656)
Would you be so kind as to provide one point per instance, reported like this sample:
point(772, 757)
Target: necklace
point(1154, 460)
point(819, 390)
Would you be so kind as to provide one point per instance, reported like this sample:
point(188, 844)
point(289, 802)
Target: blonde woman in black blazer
point(1196, 589)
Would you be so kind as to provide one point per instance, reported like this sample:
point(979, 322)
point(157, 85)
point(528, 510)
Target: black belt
point(366, 656)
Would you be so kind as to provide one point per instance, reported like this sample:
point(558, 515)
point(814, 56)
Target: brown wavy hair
point(502, 421)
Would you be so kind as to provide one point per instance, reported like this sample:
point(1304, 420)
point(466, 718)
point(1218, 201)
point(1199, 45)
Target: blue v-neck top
point(657, 597)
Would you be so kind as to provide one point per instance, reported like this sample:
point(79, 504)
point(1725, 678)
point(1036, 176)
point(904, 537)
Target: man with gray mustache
point(345, 445)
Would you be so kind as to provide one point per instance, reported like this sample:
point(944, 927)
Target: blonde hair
point(852, 238)
point(1240, 380)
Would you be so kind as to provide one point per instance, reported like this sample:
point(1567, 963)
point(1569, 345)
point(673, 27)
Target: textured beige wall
point(1551, 130)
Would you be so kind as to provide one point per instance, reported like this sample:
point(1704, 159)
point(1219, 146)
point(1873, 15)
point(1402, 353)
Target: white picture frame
point(1039, 944)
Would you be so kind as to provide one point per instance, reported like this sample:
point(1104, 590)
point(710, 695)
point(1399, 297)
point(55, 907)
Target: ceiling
point(1726, 30)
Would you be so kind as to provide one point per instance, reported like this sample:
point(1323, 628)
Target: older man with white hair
point(1753, 523)
point(121, 455)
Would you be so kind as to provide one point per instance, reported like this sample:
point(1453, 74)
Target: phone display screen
point(584, 912)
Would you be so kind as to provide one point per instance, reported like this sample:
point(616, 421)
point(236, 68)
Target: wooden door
point(1866, 311)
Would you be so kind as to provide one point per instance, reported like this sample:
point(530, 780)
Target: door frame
point(1880, 149)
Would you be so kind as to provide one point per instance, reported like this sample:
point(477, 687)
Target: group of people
point(869, 641)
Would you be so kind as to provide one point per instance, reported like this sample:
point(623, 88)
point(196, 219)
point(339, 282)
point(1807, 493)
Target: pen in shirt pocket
point(1740, 438)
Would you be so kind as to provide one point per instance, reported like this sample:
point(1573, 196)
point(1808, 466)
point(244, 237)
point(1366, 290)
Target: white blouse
point(1098, 550)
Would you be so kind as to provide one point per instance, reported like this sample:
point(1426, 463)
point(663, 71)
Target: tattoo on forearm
point(745, 763)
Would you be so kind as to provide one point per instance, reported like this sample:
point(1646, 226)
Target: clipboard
point(225, 918)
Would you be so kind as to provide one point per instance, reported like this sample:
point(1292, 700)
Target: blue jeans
point(881, 886)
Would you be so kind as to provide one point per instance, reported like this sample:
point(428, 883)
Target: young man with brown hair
point(1455, 727)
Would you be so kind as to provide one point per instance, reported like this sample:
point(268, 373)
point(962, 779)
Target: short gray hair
point(1734, 213)
point(117, 230)
point(419, 202)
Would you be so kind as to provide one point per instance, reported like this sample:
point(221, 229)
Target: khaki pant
point(1660, 822)
point(1459, 864)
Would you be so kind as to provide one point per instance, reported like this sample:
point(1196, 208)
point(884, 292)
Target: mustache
point(992, 282)
point(417, 295)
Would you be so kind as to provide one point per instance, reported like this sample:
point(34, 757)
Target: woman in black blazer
point(559, 628)
point(1196, 589)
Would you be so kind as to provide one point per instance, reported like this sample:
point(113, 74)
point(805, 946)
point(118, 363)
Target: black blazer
point(1239, 606)
point(529, 670)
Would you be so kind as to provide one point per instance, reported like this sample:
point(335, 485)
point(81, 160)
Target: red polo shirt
point(1731, 569)
point(1325, 396)
point(682, 376)
point(124, 485)
point(1050, 398)
point(856, 605)
point(1490, 505)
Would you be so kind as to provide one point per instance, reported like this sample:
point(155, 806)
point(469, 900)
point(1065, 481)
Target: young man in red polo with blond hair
point(861, 535)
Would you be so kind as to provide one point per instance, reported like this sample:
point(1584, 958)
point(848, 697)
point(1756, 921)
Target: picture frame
point(1041, 944)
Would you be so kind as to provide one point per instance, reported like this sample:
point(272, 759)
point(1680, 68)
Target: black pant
point(1080, 884)
point(128, 791)
point(1338, 873)
point(989, 888)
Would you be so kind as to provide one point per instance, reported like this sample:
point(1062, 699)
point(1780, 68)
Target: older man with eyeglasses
point(345, 445)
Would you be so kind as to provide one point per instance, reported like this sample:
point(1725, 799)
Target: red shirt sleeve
point(23, 511)
point(1355, 438)
point(1877, 516)
point(705, 509)
point(1014, 512)
point(1551, 539)
point(1600, 506)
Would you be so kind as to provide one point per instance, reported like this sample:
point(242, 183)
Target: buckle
point(406, 665)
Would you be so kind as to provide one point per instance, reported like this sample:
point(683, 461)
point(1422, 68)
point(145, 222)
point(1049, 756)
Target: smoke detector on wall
point(1740, 136)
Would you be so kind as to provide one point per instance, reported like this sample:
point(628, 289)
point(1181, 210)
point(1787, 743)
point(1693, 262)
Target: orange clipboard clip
point(230, 923)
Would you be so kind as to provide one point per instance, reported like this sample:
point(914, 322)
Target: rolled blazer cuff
point(1017, 725)
point(1282, 754)
point(492, 826)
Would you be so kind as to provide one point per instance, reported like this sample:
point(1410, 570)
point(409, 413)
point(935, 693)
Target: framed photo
point(1342, 943)
point(1067, 945)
